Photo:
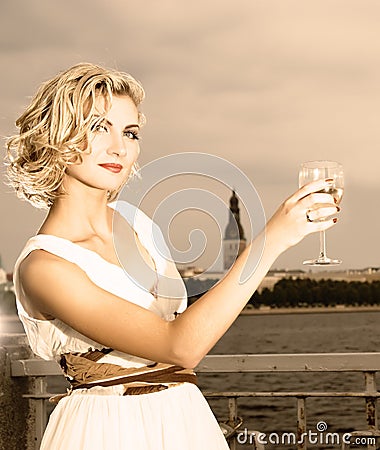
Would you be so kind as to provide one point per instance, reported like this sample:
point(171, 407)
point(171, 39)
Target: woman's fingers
point(314, 186)
point(321, 225)
point(315, 202)
point(309, 210)
point(321, 212)
point(311, 200)
point(318, 206)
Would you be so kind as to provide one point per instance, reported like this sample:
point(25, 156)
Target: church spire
point(234, 229)
point(234, 239)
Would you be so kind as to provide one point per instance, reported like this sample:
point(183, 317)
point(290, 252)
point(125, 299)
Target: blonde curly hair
point(54, 129)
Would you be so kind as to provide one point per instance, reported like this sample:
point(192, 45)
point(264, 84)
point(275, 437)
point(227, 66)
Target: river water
point(296, 333)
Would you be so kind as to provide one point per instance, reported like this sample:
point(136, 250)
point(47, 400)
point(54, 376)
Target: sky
point(263, 84)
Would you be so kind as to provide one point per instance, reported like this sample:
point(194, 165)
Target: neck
point(80, 214)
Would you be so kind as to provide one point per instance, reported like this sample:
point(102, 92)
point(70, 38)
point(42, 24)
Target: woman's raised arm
point(69, 295)
point(206, 320)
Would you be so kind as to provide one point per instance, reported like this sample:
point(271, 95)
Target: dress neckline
point(98, 255)
point(95, 253)
point(153, 290)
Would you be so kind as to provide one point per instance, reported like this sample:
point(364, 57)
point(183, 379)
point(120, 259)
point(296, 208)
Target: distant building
point(234, 241)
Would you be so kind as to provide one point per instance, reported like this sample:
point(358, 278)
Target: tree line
point(286, 293)
point(304, 292)
point(290, 293)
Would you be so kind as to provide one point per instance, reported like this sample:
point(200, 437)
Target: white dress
point(102, 418)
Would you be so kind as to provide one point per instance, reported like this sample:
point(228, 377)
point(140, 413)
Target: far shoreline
point(309, 310)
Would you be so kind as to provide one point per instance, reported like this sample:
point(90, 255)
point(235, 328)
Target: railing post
point(39, 407)
point(371, 404)
point(232, 418)
point(301, 424)
point(17, 421)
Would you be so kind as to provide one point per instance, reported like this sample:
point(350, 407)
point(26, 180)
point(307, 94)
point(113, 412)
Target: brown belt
point(83, 371)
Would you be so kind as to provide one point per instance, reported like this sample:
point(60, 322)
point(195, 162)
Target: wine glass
point(316, 170)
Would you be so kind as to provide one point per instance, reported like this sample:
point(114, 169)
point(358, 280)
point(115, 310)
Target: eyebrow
point(127, 127)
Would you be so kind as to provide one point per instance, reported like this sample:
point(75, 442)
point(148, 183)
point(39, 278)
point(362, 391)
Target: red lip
point(112, 167)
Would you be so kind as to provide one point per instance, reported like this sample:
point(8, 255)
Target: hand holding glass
point(317, 170)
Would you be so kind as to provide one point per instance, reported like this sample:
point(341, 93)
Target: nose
point(117, 146)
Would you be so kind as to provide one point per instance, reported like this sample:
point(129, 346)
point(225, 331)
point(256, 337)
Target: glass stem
point(322, 234)
point(322, 245)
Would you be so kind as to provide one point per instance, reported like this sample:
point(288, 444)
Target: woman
point(127, 353)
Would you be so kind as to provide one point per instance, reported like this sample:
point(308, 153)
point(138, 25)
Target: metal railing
point(366, 363)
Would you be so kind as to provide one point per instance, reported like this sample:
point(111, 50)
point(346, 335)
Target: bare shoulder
point(56, 286)
point(41, 274)
point(36, 261)
point(40, 268)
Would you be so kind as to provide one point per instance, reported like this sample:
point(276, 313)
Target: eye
point(99, 128)
point(132, 135)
